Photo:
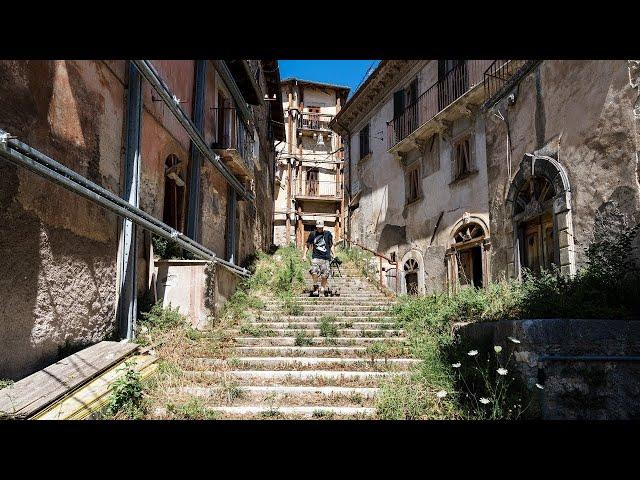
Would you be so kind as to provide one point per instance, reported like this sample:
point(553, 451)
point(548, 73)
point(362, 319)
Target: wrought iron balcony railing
point(458, 81)
point(239, 145)
point(497, 74)
point(313, 121)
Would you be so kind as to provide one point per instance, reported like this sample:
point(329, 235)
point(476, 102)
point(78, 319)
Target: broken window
point(462, 161)
point(411, 270)
point(172, 213)
point(468, 254)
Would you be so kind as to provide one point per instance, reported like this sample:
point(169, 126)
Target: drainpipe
point(347, 185)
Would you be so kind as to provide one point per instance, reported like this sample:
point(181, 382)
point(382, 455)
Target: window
point(172, 212)
point(364, 142)
point(412, 180)
point(462, 156)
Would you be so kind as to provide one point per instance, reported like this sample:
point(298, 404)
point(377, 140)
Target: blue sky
point(340, 72)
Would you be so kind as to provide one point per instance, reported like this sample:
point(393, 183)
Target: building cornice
point(377, 86)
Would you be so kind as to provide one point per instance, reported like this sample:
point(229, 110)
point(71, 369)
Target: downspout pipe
point(347, 186)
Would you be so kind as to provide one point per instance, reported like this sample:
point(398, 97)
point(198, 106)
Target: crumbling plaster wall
point(579, 112)
point(59, 251)
point(383, 221)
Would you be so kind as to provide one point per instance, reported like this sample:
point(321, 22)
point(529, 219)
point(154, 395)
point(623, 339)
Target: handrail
point(380, 257)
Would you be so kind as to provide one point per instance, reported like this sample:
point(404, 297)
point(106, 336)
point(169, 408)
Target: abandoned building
point(309, 175)
point(186, 146)
point(461, 172)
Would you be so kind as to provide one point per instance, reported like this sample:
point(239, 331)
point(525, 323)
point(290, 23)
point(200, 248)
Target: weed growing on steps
point(254, 330)
point(302, 340)
point(5, 382)
point(327, 326)
point(126, 399)
point(194, 409)
point(378, 350)
point(323, 414)
point(290, 306)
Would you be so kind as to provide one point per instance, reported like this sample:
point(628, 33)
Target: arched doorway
point(411, 270)
point(172, 213)
point(539, 205)
point(467, 257)
point(412, 273)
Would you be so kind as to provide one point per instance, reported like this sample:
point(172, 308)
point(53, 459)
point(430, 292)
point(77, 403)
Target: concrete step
point(311, 351)
point(354, 313)
point(338, 301)
point(295, 412)
point(334, 307)
point(279, 395)
point(311, 363)
point(341, 332)
point(289, 341)
point(282, 323)
point(343, 378)
point(334, 317)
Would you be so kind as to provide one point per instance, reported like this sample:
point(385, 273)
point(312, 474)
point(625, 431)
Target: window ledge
point(413, 202)
point(462, 177)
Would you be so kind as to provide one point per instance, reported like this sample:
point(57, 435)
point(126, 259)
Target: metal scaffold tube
point(23, 155)
point(151, 75)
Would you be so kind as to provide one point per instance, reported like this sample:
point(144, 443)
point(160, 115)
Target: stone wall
point(58, 251)
point(576, 390)
point(580, 114)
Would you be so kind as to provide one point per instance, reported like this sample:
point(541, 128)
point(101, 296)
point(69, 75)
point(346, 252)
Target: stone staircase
point(294, 369)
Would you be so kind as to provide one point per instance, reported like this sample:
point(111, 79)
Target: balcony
point(498, 74)
point(237, 151)
point(444, 101)
point(313, 121)
point(322, 190)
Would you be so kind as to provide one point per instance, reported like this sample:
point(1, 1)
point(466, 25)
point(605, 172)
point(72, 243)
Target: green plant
point(5, 382)
point(378, 349)
point(291, 307)
point(254, 330)
point(322, 414)
point(193, 334)
point(166, 249)
point(302, 340)
point(328, 327)
point(127, 394)
point(194, 409)
point(160, 318)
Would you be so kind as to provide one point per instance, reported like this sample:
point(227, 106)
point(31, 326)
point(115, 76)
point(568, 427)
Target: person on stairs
point(322, 242)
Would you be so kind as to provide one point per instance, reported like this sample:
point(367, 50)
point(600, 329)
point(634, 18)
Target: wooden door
point(465, 268)
point(313, 185)
point(532, 247)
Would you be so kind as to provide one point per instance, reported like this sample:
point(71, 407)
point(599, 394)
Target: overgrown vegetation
point(328, 327)
point(5, 382)
point(127, 399)
point(460, 381)
point(166, 249)
point(302, 340)
point(363, 260)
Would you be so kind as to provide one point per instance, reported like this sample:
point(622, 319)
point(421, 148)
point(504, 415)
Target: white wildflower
point(472, 353)
point(514, 340)
point(539, 386)
point(441, 394)
point(484, 401)
point(497, 348)
point(502, 371)
point(456, 365)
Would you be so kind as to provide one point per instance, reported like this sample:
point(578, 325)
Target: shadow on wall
point(58, 286)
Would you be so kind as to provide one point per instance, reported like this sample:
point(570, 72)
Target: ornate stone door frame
point(484, 241)
point(549, 168)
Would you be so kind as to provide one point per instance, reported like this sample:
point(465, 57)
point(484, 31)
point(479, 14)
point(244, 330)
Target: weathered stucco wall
point(58, 251)
point(580, 113)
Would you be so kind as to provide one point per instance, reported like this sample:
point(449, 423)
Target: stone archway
point(539, 214)
point(412, 273)
point(468, 255)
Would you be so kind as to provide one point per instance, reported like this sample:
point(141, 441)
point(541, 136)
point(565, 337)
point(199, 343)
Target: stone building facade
point(474, 169)
point(60, 252)
point(309, 176)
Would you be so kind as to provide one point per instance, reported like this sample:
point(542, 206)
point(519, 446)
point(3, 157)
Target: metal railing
point(318, 188)
point(497, 74)
point(241, 141)
point(313, 121)
point(458, 81)
point(386, 279)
